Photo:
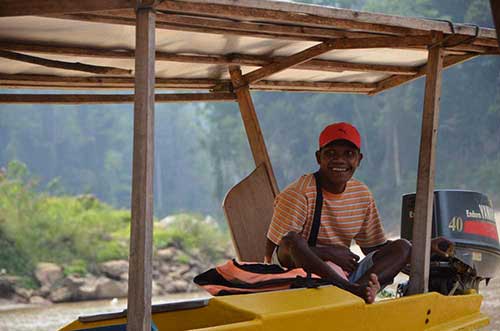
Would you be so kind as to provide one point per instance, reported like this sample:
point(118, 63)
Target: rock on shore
point(173, 272)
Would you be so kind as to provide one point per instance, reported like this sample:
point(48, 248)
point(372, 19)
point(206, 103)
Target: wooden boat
point(223, 46)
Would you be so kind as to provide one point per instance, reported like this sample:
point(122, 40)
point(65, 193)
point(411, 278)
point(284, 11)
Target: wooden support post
point(141, 239)
point(252, 127)
point(495, 12)
point(422, 223)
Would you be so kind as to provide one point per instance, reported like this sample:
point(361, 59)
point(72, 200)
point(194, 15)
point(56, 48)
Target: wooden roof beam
point(70, 99)
point(397, 80)
point(284, 64)
point(67, 50)
point(337, 66)
point(268, 29)
point(336, 17)
point(304, 86)
point(101, 82)
point(249, 13)
point(374, 42)
point(40, 81)
point(325, 47)
point(483, 45)
point(46, 7)
point(112, 19)
point(238, 59)
point(63, 65)
point(221, 26)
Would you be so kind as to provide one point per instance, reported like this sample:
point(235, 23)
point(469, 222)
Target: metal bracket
point(467, 40)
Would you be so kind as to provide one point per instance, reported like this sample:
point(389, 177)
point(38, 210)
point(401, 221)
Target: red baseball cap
point(340, 131)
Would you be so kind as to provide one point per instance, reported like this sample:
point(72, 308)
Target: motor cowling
point(467, 219)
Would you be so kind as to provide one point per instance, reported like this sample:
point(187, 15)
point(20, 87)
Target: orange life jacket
point(238, 278)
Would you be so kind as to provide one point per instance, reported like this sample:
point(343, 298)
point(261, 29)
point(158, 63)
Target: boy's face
point(338, 161)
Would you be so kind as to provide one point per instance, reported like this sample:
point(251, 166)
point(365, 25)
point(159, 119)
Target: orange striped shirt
point(344, 217)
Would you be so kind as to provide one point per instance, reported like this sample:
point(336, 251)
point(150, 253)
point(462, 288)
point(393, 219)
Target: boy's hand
point(340, 255)
point(442, 246)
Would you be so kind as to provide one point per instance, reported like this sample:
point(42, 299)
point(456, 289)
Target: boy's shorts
point(363, 265)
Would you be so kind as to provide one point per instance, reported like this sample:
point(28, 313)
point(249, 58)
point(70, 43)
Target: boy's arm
point(338, 254)
point(270, 247)
point(439, 245)
point(368, 250)
point(289, 215)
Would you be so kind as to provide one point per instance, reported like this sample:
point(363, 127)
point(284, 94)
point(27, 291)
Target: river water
point(54, 316)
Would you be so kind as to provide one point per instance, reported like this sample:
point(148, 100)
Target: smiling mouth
point(338, 169)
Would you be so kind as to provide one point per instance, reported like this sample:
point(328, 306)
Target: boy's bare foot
point(367, 291)
point(372, 289)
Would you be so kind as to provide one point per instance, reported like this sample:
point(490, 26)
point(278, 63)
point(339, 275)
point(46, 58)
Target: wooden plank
point(337, 66)
point(325, 47)
point(44, 7)
point(141, 240)
point(252, 127)
point(422, 223)
point(268, 30)
point(296, 12)
point(66, 50)
point(397, 80)
point(201, 25)
point(100, 82)
point(113, 19)
point(325, 65)
point(69, 99)
point(286, 63)
point(303, 86)
point(263, 85)
point(19, 81)
point(233, 58)
point(64, 65)
point(245, 11)
point(248, 207)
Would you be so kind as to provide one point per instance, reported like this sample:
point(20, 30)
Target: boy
point(348, 212)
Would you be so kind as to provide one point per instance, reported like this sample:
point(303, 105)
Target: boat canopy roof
point(89, 44)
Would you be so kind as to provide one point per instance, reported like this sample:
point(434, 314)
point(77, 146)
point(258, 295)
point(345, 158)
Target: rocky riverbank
point(173, 272)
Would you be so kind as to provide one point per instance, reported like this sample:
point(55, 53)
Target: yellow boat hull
point(326, 308)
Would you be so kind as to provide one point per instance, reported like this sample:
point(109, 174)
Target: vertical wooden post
point(422, 223)
point(141, 237)
point(495, 12)
point(252, 127)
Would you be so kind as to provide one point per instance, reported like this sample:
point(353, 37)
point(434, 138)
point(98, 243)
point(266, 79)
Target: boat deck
point(324, 308)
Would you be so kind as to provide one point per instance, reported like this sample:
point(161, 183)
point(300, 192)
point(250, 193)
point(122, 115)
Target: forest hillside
point(201, 150)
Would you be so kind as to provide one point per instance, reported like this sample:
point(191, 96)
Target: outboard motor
point(467, 219)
